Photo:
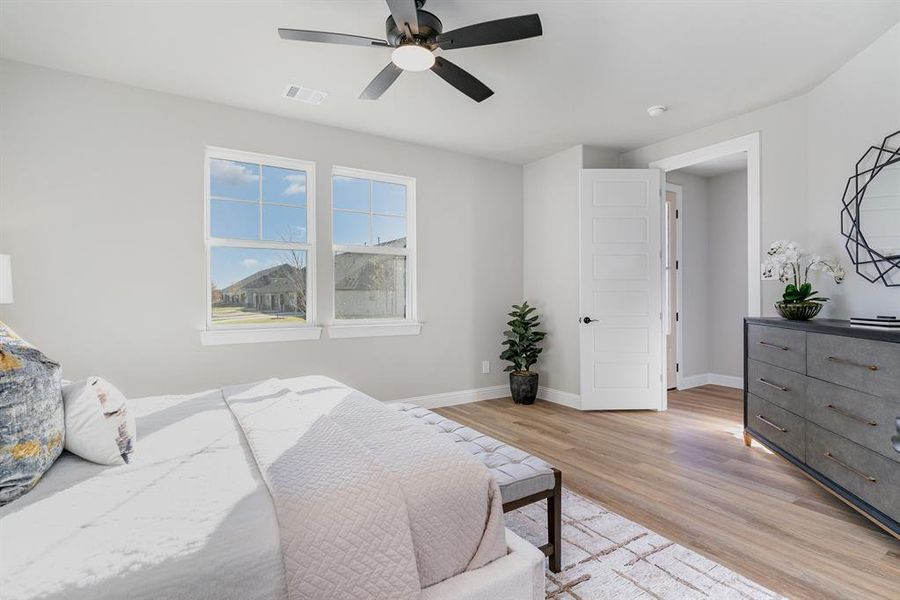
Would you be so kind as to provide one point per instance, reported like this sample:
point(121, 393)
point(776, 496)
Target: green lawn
point(235, 315)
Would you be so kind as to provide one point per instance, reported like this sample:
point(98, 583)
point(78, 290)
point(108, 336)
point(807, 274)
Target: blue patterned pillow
point(32, 428)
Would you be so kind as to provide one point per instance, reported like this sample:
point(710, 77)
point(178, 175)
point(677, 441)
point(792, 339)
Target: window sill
point(218, 337)
point(357, 330)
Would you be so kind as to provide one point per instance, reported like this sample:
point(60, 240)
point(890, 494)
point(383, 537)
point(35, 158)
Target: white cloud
point(232, 172)
point(296, 185)
point(250, 263)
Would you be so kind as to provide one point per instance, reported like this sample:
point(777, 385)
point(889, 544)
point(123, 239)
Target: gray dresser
point(826, 397)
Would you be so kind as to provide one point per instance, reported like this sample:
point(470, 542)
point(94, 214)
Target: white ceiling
point(589, 79)
point(718, 166)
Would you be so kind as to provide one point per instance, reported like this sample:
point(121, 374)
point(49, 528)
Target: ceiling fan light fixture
point(412, 57)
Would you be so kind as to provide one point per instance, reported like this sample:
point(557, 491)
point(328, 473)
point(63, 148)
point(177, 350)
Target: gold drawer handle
point(771, 424)
point(868, 478)
point(771, 345)
point(844, 361)
point(850, 415)
point(774, 385)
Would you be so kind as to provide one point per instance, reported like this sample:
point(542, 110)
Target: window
point(260, 242)
point(373, 236)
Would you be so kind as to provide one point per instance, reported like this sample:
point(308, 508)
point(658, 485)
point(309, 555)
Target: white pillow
point(99, 427)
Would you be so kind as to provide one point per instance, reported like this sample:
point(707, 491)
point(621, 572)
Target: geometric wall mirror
point(870, 219)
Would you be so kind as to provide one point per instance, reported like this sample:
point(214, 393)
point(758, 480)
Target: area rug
point(607, 556)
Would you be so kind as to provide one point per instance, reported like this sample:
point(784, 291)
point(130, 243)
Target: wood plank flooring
point(686, 474)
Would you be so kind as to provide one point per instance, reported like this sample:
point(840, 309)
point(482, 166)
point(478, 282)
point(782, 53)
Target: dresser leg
point(747, 439)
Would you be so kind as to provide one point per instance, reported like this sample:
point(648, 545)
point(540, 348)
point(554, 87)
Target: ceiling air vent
point(305, 94)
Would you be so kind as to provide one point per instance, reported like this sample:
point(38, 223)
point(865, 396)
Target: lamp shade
point(6, 290)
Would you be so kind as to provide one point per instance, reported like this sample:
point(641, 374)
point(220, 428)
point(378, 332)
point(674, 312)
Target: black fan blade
point(381, 83)
point(491, 32)
point(404, 12)
point(326, 37)
point(461, 80)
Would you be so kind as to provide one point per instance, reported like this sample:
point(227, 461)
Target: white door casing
point(621, 289)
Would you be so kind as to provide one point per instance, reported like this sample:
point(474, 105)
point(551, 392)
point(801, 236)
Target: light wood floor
point(686, 474)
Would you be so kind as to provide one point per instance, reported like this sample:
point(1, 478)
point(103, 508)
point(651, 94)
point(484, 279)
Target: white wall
point(101, 208)
point(551, 198)
point(550, 276)
point(853, 109)
point(783, 152)
point(809, 146)
point(727, 276)
point(694, 266)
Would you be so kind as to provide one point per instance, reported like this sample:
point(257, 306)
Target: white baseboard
point(713, 379)
point(726, 380)
point(460, 397)
point(490, 393)
point(558, 397)
point(693, 381)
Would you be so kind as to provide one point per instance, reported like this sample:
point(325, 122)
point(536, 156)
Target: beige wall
point(101, 208)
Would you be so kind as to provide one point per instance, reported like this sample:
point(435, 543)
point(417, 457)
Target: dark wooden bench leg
point(554, 523)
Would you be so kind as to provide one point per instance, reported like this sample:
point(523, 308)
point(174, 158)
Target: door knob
point(588, 320)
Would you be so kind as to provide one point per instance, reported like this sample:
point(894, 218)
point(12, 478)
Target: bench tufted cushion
point(518, 473)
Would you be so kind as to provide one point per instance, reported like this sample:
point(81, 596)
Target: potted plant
point(522, 350)
point(791, 264)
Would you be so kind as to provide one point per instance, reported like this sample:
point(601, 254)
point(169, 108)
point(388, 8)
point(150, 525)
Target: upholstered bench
point(523, 478)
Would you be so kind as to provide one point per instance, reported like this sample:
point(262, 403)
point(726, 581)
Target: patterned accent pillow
point(99, 427)
point(32, 426)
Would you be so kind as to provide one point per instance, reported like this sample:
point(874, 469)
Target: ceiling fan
point(415, 34)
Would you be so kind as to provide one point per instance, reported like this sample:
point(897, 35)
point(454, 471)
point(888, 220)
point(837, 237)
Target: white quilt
point(191, 518)
point(370, 503)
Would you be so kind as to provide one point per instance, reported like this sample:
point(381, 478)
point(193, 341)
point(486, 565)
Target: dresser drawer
point(864, 365)
point(861, 418)
point(778, 425)
point(870, 476)
point(779, 386)
point(777, 346)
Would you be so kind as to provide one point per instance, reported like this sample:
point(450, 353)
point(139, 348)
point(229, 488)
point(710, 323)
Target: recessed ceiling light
point(655, 111)
point(305, 94)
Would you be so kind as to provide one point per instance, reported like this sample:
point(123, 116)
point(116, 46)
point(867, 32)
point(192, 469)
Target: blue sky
point(365, 213)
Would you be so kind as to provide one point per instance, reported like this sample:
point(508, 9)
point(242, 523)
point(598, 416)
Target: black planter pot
point(524, 386)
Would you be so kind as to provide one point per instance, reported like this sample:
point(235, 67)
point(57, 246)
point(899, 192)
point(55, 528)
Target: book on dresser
point(879, 322)
point(825, 395)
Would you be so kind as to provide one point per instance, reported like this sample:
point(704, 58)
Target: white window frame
point(242, 334)
point(346, 328)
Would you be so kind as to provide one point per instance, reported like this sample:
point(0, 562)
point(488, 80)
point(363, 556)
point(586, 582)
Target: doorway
point(711, 260)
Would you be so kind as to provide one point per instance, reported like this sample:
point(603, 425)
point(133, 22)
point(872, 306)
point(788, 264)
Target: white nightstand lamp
point(6, 289)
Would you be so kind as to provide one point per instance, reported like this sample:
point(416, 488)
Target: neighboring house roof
point(283, 278)
point(356, 271)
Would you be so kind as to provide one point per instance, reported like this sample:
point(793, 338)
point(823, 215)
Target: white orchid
point(791, 264)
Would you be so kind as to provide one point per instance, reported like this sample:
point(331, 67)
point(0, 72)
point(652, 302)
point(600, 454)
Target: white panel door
point(621, 280)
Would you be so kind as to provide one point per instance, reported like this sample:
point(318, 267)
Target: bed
point(212, 506)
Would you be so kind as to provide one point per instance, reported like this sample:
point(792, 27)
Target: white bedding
point(189, 518)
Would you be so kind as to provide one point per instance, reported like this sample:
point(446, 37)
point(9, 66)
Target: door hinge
point(677, 317)
point(676, 213)
point(677, 367)
point(676, 265)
